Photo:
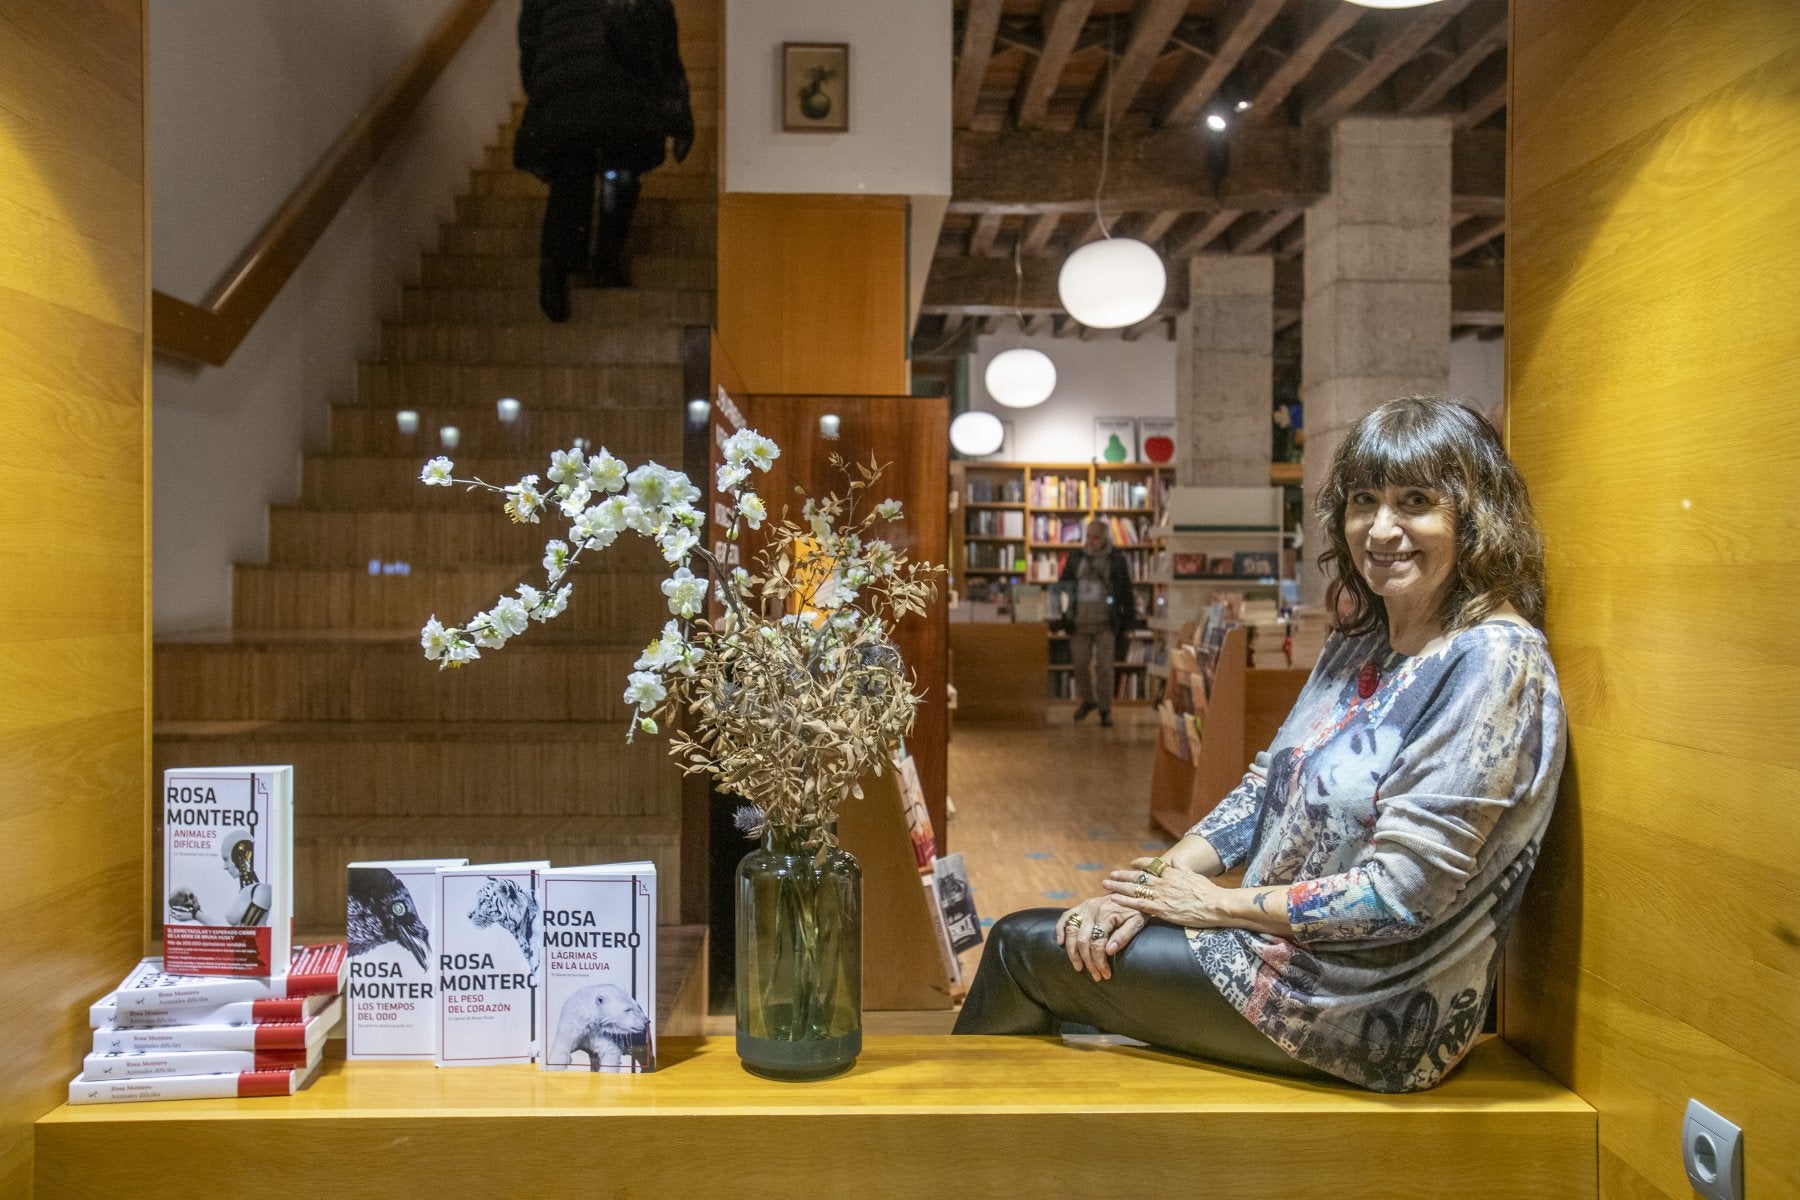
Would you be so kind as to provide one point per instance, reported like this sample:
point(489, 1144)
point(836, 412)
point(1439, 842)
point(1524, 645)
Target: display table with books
point(985, 1116)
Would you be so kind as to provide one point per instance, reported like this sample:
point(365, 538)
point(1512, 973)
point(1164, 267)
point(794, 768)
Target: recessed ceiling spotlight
point(1242, 106)
point(1216, 122)
point(507, 409)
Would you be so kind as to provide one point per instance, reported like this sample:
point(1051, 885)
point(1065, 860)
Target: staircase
point(521, 755)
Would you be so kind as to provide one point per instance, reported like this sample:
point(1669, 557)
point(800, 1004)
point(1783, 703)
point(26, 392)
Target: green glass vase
point(799, 958)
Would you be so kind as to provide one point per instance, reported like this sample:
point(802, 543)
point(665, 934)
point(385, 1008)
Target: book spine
point(237, 1012)
point(183, 1087)
point(317, 971)
point(289, 1035)
point(113, 1067)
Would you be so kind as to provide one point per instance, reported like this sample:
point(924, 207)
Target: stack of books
point(159, 1036)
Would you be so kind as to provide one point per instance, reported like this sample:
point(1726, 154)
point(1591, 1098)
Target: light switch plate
point(1712, 1149)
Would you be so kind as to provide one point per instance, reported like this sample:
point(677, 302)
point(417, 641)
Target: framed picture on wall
point(815, 87)
point(1115, 440)
point(1156, 440)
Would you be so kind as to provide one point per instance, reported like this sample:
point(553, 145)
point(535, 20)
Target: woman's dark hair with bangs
point(1428, 441)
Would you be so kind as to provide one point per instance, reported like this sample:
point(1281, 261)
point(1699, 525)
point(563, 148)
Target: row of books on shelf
point(994, 522)
point(1127, 532)
point(1046, 566)
point(994, 556)
point(1060, 491)
point(950, 899)
point(978, 490)
point(1136, 652)
point(1128, 685)
point(1125, 493)
point(1193, 659)
point(1243, 564)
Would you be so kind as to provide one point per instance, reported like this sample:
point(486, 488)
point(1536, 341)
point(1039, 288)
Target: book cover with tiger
point(597, 1010)
point(390, 927)
point(489, 962)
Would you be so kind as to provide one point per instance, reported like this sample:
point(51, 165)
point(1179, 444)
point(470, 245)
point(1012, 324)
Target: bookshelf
point(1015, 523)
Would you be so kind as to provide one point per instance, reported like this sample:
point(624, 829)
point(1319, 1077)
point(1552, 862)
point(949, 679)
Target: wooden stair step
point(537, 344)
point(531, 679)
point(391, 481)
point(633, 433)
point(703, 156)
point(653, 212)
point(670, 179)
point(615, 604)
point(591, 306)
point(426, 386)
point(1079, 1121)
point(520, 269)
point(480, 536)
point(650, 240)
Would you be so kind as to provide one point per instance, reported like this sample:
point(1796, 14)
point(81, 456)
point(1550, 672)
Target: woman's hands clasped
point(1178, 896)
point(1095, 930)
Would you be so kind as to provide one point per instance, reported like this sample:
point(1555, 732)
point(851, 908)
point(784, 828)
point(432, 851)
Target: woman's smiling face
point(1403, 543)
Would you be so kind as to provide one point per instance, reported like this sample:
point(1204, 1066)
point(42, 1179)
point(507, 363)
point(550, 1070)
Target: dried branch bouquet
point(796, 692)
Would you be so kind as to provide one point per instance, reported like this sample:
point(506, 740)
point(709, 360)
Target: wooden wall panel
point(812, 292)
point(74, 478)
point(1652, 364)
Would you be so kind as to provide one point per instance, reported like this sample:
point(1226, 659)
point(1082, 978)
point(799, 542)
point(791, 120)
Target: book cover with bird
point(228, 870)
point(597, 1007)
point(389, 920)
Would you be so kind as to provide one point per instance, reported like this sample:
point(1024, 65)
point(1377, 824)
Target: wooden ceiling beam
point(1063, 326)
point(1038, 233)
point(981, 22)
point(1485, 93)
point(1200, 233)
point(981, 238)
point(1152, 24)
point(1132, 333)
point(1318, 34)
point(1034, 324)
point(1260, 232)
point(1158, 224)
point(1475, 233)
point(1392, 53)
point(1063, 20)
point(1088, 333)
point(1242, 22)
point(1477, 32)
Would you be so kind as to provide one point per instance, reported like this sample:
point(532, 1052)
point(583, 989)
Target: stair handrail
point(210, 331)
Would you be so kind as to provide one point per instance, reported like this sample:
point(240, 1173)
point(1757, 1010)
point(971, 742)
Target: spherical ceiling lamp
point(1112, 283)
point(976, 434)
point(1021, 378)
point(1393, 3)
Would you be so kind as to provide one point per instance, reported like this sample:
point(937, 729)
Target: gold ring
point(1156, 866)
point(1074, 921)
point(1142, 891)
point(1143, 877)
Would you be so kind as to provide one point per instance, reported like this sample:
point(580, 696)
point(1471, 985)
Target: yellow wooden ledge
point(983, 1117)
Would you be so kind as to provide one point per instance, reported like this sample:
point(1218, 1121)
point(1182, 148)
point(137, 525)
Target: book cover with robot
point(228, 870)
point(597, 1008)
point(390, 926)
point(489, 962)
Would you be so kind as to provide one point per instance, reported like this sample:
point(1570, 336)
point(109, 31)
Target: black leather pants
point(1157, 994)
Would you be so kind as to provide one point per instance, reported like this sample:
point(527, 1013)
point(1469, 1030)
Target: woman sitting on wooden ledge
point(1386, 835)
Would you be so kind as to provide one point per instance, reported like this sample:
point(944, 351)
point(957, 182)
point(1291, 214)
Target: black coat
point(1121, 600)
point(602, 77)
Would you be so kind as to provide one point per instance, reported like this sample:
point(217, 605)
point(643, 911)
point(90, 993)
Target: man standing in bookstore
point(1098, 582)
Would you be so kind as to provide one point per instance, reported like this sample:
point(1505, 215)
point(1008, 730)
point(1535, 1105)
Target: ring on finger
point(1142, 891)
point(1097, 934)
point(1073, 921)
point(1156, 866)
point(1143, 878)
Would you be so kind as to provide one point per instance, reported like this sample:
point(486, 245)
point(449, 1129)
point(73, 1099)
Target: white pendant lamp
point(976, 434)
point(1021, 378)
point(1112, 283)
point(1115, 281)
point(1393, 3)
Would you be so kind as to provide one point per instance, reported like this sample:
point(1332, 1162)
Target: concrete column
point(1224, 374)
point(1376, 314)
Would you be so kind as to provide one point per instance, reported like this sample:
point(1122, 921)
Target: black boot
point(618, 203)
point(553, 290)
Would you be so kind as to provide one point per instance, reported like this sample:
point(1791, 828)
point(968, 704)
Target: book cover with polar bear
point(489, 964)
point(597, 1008)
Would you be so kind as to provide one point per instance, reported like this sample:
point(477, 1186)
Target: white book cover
point(276, 1035)
point(391, 1008)
point(597, 1011)
point(313, 971)
point(83, 1090)
point(228, 870)
point(108, 1011)
point(490, 951)
point(196, 1062)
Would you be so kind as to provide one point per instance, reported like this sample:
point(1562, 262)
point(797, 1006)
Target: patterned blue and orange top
point(1405, 824)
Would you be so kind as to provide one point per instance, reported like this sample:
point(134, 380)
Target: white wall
point(1109, 377)
point(898, 143)
point(1478, 375)
point(245, 96)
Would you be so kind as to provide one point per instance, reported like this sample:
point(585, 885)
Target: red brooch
point(1367, 679)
